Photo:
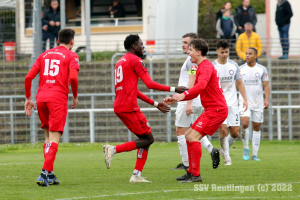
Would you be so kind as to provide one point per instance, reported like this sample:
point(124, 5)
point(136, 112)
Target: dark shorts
point(136, 122)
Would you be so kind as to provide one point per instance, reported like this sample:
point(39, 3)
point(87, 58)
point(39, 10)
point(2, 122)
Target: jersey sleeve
point(264, 76)
point(139, 66)
point(191, 67)
point(144, 98)
point(74, 62)
point(37, 63)
point(237, 74)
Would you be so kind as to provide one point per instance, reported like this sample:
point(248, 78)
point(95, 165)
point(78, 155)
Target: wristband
point(155, 104)
point(172, 89)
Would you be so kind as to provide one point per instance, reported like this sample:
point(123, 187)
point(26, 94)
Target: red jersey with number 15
point(127, 72)
point(54, 66)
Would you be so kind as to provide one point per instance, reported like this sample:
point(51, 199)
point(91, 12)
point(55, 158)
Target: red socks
point(44, 149)
point(50, 154)
point(128, 146)
point(196, 153)
point(141, 159)
point(190, 158)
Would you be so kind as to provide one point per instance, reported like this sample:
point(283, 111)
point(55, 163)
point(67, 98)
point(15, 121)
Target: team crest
point(194, 67)
point(257, 74)
point(142, 63)
point(231, 72)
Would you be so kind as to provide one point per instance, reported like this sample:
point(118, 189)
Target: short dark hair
point(254, 49)
point(66, 35)
point(200, 45)
point(54, 1)
point(131, 40)
point(191, 35)
point(223, 44)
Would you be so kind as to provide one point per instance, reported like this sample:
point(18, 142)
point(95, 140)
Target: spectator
point(283, 19)
point(77, 4)
point(243, 14)
point(51, 20)
point(225, 26)
point(246, 40)
point(45, 35)
point(226, 6)
point(116, 10)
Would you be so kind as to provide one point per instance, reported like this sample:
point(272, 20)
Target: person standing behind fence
point(246, 40)
point(56, 66)
point(255, 79)
point(243, 14)
point(283, 19)
point(225, 26)
point(51, 19)
point(226, 6)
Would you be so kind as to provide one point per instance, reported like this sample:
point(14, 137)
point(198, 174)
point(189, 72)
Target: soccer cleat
point(108, 154)
point(42, 180)
point(215, 157)
point(181, 166)
point(255, 158)
point(246, 154)
point(192, 179)
point(138, 179)
point(52, 179)
point(186, 176)
point(228, 162)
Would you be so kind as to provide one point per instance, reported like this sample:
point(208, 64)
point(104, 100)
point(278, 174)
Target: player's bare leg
point(245, 136)
point(224, 150)
point(47, 176)
point(234, 133)
point(255, 140)
point(180, 131)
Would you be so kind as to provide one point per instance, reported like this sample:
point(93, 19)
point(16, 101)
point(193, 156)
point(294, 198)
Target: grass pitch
point(81, 169)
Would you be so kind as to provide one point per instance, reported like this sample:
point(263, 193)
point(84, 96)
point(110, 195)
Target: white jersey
point(253, 78)
point(228, 75)
point(188, 68)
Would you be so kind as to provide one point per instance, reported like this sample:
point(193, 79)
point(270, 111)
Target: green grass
point(82, 172)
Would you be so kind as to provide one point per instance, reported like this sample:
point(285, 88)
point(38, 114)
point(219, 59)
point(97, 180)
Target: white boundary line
point(165, 191)
point(21, 163)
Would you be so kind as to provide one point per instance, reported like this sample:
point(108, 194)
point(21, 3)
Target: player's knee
point(223, 131)
point(235, 134)
point(151, 140)
point(245, 125)
point(256, 127)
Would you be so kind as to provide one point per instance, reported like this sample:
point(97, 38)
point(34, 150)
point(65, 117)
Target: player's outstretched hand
point(163, 107)
point(245, 105)
point(28, 106)
point(178, 97)
point(75, 102)
point(266, 104)
point(169, 100)
point(181, 89)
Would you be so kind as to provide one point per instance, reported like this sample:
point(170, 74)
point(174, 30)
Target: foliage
point(97, 56)
point(209, 8)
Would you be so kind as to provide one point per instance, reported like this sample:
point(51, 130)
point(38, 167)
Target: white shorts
point(255, 115)
point(182, 120)
point(233, 118)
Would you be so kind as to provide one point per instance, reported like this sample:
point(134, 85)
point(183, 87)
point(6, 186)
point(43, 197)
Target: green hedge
point(209, 8)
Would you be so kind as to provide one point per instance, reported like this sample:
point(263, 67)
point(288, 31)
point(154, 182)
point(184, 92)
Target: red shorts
point(136, 122)
point(210, 121)
point(52, 115)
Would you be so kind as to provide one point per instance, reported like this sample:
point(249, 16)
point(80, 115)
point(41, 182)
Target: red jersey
point(54, 66)
point(208, 85)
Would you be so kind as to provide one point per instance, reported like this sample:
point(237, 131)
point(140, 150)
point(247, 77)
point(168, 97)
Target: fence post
point(12, 133)
point(279, 124)
point(66, 134)
point(129, 136)
point(169, 130)
point(151, 70)
point(290, 117)
point(270, 110)
point(92, 127)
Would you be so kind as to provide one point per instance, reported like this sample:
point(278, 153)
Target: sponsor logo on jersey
point(257, 74)
point(122, 59)
point(194, 67)
point(231, 72)
point(142, 63)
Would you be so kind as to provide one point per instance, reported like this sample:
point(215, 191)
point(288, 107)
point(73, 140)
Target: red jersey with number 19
point(54, 66)
point(127, 72)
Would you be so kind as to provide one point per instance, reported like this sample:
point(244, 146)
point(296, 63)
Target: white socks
point(245, 136)
point(137, 172)
point(225, 146)
point(255, 142)
point(231, 140)
point(206, 144)
point(183, 150)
